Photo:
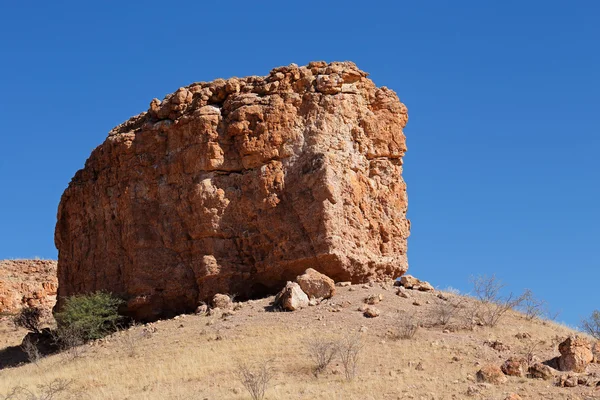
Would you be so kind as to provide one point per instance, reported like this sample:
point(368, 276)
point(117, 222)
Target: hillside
point(196, 357)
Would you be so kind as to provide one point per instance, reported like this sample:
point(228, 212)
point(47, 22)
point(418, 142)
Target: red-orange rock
point(237, 186)
point(27, 283)
point(575, 354)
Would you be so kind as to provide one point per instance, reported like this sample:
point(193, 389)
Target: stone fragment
point(491, 374)
point(497, 345)
point(316, 284)
point(575, 354)
point(373, 299)
point(513, 396)
point(541, 371)
point(514, 367)
point(291, 297)
point(567, 381)
point(372, 312)
point(410, 282)
point(238, 186)
point(202, 309)
point(222, 301)
point(343, 284)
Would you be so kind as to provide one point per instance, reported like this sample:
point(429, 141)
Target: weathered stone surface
point(410, 282)
point(237, 186)
point(514, 367)
point(291, 297)
point(491, 374)
point(541, 371)
point(316, 284)
point(575, 354)
point(222, 301)
point(27, 283)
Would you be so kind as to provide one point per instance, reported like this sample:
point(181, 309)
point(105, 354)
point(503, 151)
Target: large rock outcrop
point(237, 186)
point(27, 283)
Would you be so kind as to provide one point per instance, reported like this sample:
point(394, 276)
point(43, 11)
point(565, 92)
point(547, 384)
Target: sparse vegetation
point(30, 348)
point(55, 389)
point(492, 304)
point(255, 379)
point(349, 349)
point(406, 328)
point(29, 318)
point(532, 307)
point(321, 352)
point(89, 316)
point(591, 325)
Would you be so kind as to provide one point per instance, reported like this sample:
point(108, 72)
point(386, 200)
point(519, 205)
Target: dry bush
point(493, 305)
point(69, 340)
point(591, 325)
point(58, 388)
point(349, 349)
point(255, 379)
point(31, 349)
point(405, 329)
point(321, 352)
point(29, 318)
point(444, 311)
point(532, 307)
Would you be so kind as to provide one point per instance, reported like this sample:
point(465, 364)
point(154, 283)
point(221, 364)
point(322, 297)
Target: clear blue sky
point(503, 97)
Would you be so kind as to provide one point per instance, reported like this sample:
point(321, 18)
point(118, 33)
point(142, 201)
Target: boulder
point(514, 367)
point(316, 284)
point(222, 301)
point(491, 374)
point(575, 354)
point(238, 186)
point(27, 283)
point(541, 371)
point(513, 396)
point(371, 312)
point(291, 298)
point(410, 282)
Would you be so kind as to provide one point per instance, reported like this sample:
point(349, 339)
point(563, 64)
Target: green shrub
point(91, 316)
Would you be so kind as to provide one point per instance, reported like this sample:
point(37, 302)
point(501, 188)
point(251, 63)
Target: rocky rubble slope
point(236, 186)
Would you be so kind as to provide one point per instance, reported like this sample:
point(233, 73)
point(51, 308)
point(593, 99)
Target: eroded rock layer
point(236, 186)
point(27, 283)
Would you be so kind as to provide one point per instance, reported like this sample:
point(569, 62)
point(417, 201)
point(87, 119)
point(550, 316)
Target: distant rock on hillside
point(237, 186)
point(27, 283)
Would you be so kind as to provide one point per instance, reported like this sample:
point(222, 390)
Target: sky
point(503, 98)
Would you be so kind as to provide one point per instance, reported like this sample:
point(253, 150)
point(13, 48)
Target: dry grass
point(196, 357)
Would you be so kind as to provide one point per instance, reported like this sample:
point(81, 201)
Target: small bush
point(591, 325)
point(89, 316)
point(406, 328)
point(30, 348)
point(29, 318)
point(493, 305)
point(532, 307)
point(58, 388)
point(321, 352)
point(255, 379)
point(350, 348)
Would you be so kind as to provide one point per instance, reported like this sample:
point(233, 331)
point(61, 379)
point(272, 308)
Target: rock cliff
point(27, 283)
point(237, 186)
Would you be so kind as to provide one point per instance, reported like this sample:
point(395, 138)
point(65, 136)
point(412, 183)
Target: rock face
point(27, 283)
point(575, 354)
point(237, 186)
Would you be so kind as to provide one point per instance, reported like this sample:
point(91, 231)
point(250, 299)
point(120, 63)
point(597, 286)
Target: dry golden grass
point(195, 357)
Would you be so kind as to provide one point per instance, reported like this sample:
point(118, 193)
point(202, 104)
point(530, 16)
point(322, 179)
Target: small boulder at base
point(222, 301)
point(291, 297)
point(513, 396)
point(316, 284)
point(541, 371)
point(514, 367)
point(491, 374)
point(410, 282)
point(371, 312)
point(575, 354)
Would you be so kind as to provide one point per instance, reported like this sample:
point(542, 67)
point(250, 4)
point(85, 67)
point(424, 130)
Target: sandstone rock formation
point(575, 354)
point(237, 186)
point(291, 297)
point(27, 283)
point(316, 284)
